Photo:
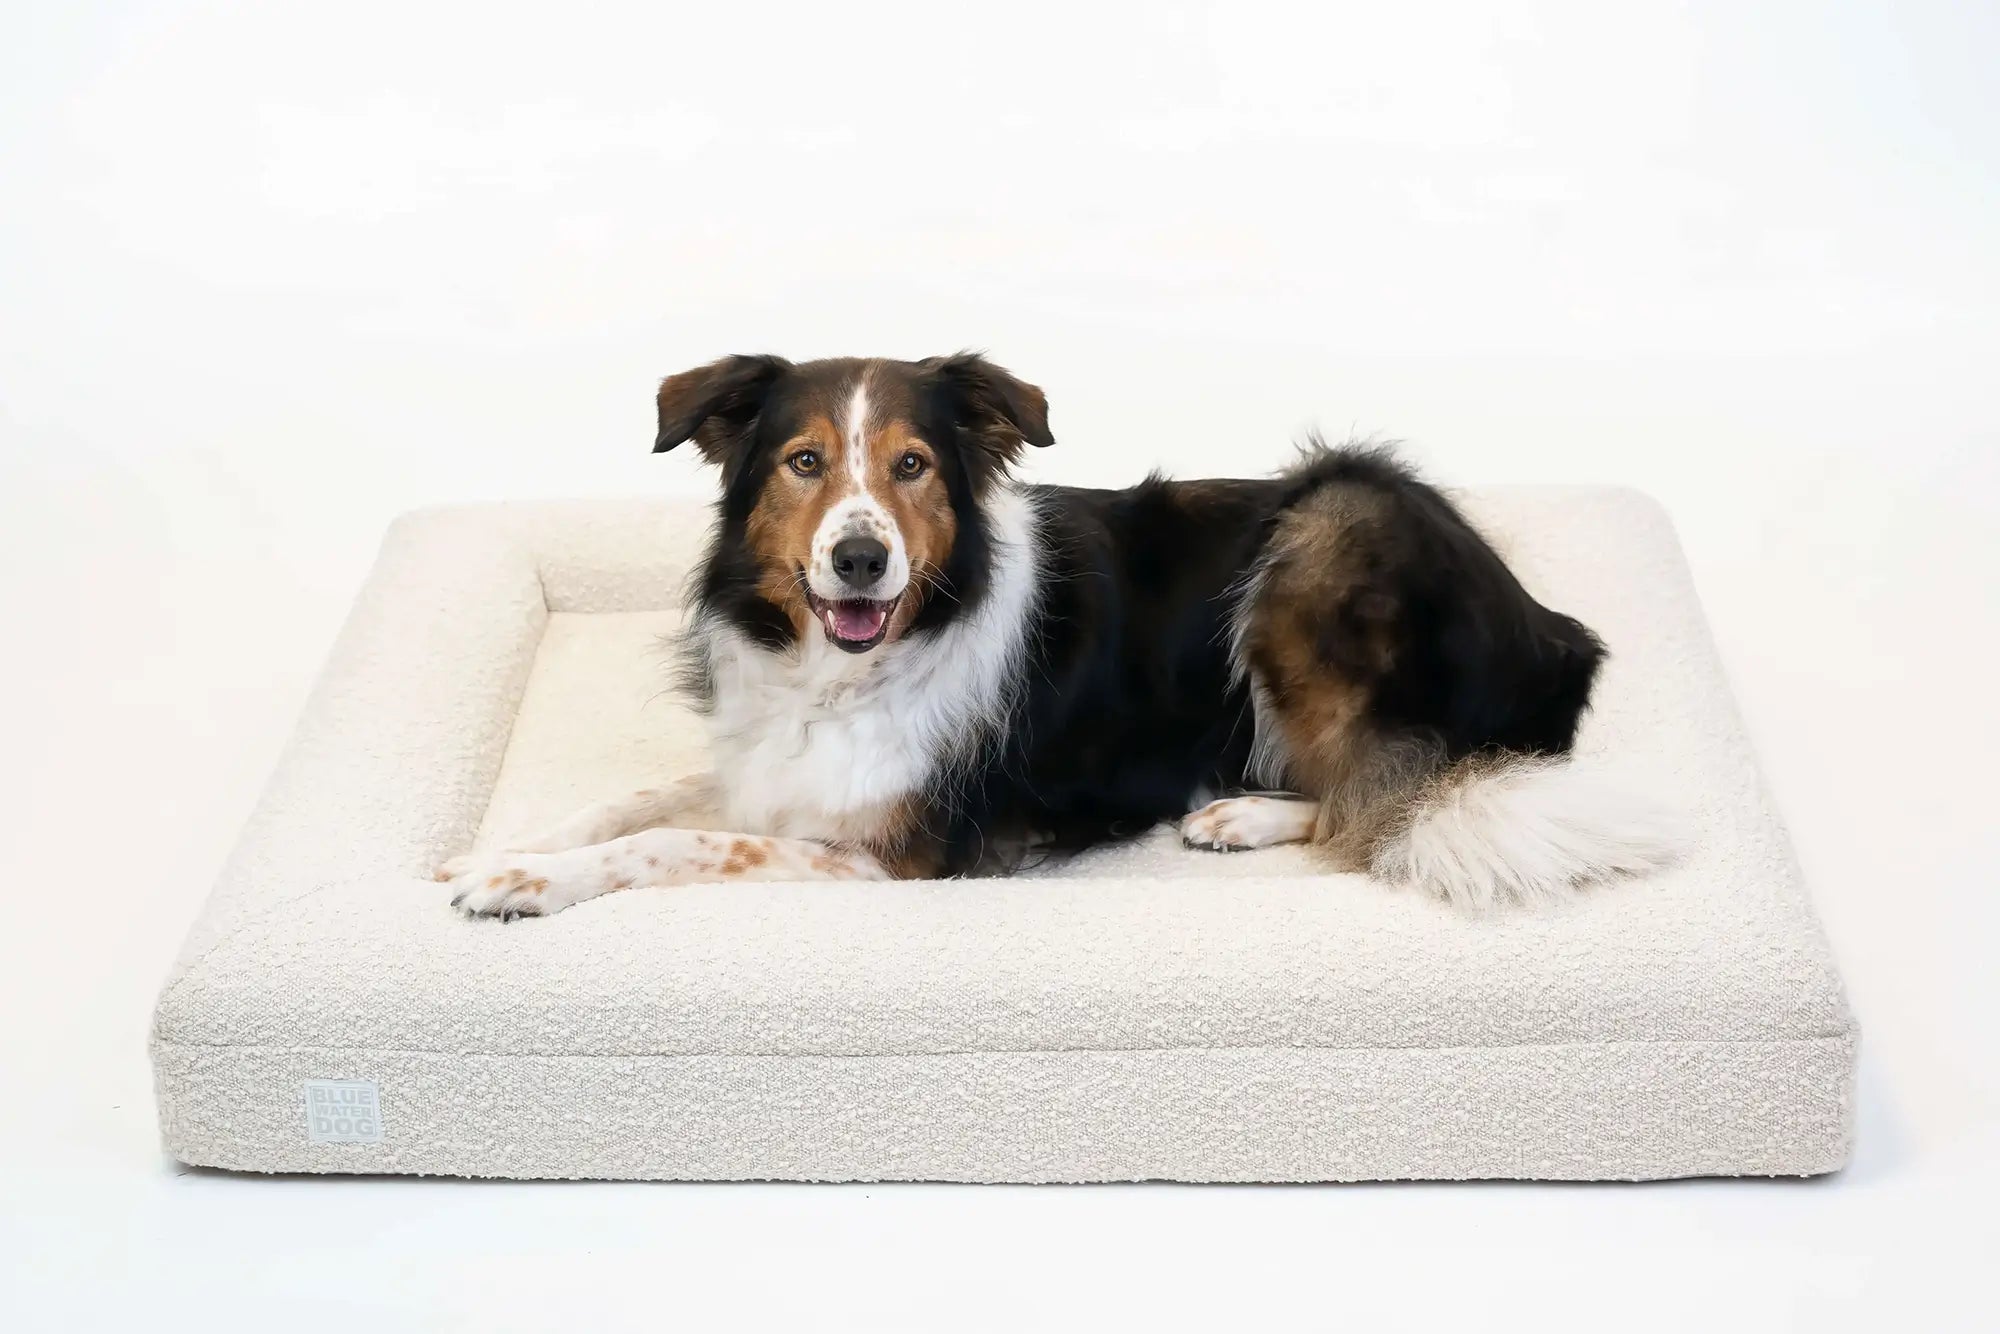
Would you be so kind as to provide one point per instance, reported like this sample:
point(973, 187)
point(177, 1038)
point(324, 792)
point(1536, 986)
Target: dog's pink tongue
point(855, 621)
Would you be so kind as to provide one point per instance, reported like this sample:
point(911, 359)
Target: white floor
point(274, 273)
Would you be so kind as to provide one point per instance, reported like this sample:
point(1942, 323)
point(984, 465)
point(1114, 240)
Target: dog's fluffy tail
point(1528, 830)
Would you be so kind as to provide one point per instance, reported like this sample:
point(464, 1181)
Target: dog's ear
point(996, 413)
point(716, 405)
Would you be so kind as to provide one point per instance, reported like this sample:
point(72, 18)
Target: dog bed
point(1144, 1011)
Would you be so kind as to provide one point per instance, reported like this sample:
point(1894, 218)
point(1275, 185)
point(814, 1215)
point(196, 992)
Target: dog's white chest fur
point(819, 743)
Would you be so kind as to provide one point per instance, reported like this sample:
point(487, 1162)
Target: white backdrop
point(271, 273)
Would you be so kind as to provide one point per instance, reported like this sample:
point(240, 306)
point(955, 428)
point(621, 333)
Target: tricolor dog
point(913, 666)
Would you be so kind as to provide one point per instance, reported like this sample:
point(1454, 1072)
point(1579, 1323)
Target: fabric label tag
point(343, 1111)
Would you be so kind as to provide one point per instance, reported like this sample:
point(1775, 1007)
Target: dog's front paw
point(505, 885)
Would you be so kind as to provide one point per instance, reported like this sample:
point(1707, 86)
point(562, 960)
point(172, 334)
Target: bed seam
point(1847, 1034)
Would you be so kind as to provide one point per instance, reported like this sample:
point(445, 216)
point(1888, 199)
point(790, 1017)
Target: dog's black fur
point(1134, 700)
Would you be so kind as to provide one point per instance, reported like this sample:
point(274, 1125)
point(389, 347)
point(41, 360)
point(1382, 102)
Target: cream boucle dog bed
point(1146, 1011)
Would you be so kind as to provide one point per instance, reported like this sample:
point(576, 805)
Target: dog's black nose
point(859, 561)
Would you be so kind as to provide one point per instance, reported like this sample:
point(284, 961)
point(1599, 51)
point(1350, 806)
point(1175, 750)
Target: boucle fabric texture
point(1143, 1011)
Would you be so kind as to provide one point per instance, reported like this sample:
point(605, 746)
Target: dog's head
point(851, 488)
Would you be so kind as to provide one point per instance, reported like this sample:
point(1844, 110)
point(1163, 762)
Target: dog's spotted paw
point(505, 885)
point(1237, 824)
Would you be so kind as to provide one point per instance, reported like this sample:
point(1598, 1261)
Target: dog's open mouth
point(856, 624)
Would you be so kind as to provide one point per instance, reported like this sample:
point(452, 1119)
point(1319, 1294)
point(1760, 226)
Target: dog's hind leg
point(1237, 824)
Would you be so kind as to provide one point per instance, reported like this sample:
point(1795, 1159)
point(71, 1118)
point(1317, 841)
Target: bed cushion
point(1141, 1012)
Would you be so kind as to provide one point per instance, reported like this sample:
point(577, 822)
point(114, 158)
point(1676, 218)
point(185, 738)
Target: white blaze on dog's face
point(854, 512)
point(859, 562)
point(846, 483)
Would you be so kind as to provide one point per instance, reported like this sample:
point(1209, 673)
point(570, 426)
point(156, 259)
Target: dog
point(912, 666)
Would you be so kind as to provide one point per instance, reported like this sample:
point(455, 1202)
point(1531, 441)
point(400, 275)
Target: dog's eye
point(805, 463)
point(910, 465)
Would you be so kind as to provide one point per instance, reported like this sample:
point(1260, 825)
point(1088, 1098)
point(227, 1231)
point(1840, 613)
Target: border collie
point(913, 666)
